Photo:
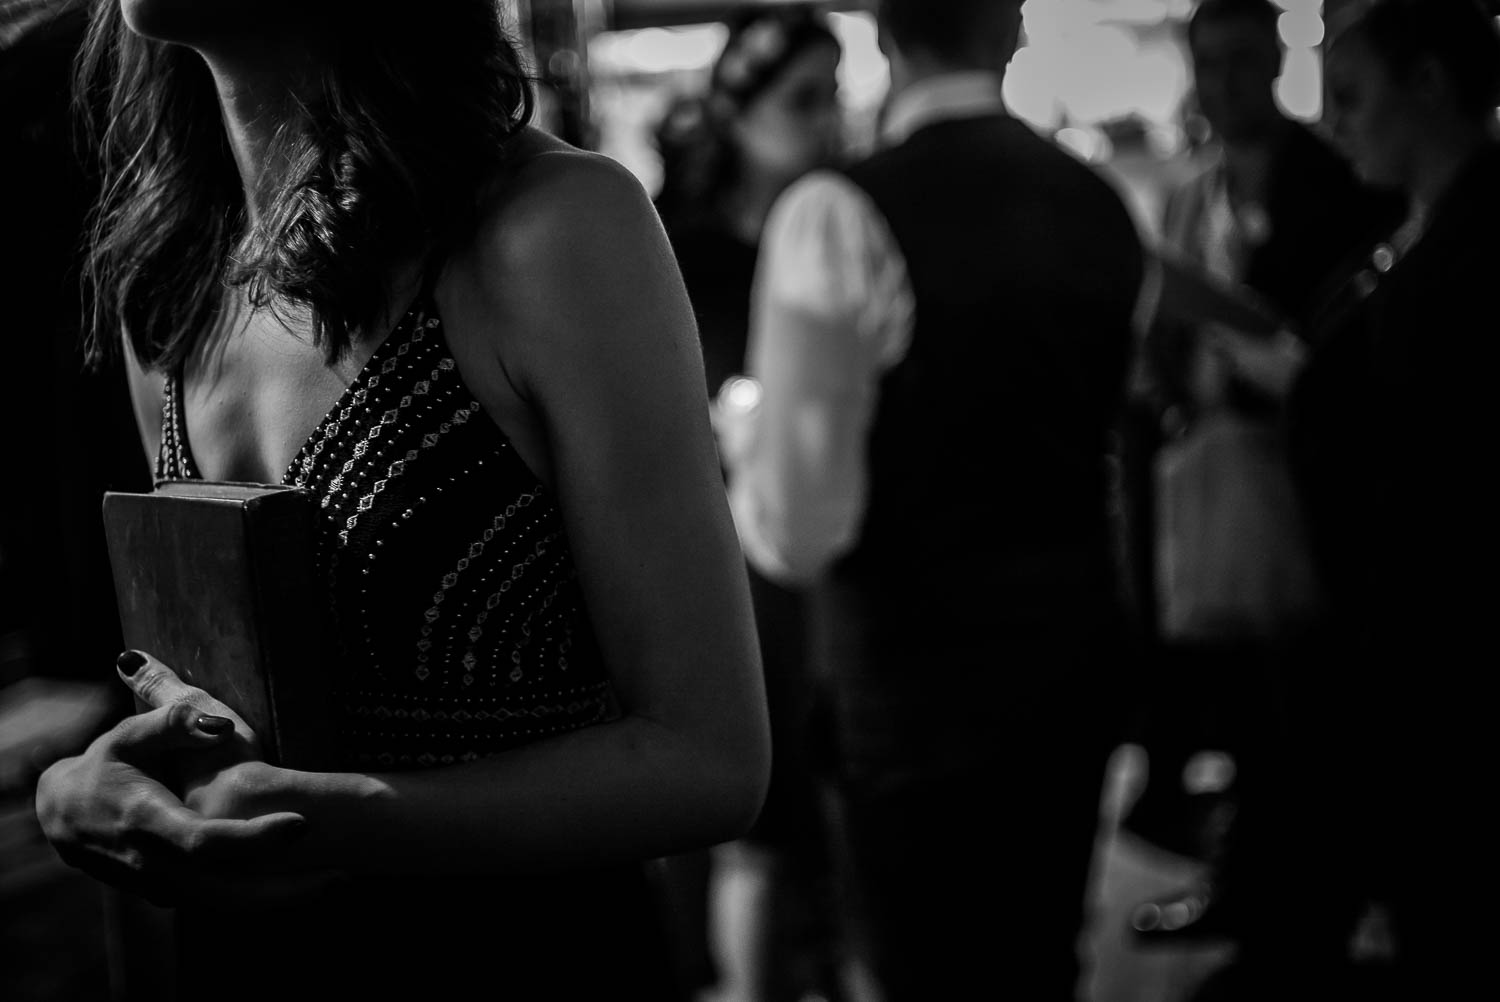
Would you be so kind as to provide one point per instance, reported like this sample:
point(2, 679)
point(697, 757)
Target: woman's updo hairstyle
point(698, 157)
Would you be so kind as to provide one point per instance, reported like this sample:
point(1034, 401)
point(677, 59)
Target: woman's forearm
point(631, 788)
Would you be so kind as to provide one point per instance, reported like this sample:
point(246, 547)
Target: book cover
point(219, 582)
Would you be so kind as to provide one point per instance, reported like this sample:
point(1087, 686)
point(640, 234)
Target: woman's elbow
point(737, 784)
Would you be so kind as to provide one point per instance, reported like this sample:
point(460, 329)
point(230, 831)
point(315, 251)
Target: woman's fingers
point(257, 839)
point(216, 861)
point(239, 863)
point(111, 819)
point(147, 736)
point(158, 686)
point(164, 827)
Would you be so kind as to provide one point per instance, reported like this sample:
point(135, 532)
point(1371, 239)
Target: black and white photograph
point(748, 500)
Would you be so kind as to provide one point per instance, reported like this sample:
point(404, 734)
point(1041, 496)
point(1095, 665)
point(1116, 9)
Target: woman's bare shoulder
point(550, 194)
point(540, 164)
point(562, 229)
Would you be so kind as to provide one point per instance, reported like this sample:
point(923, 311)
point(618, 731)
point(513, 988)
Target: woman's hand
point(159, 687)
point(227, 781)
point(106, 813)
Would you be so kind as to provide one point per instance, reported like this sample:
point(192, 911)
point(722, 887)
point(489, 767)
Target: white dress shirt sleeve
point(832, 310)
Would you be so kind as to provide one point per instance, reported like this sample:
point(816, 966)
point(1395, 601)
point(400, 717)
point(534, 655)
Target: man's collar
point(949, 95)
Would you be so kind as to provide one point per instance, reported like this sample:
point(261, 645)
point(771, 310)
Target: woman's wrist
point(248, 789)
point(342, 811)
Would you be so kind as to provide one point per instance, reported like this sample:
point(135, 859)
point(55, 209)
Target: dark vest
point(987, 528)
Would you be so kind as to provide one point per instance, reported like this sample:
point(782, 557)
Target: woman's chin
point(195, 21)
point(163, 20)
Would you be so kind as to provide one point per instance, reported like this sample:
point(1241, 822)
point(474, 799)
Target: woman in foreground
point(333, 255)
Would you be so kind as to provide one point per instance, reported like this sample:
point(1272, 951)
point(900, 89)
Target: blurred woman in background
point(770, 114)
point(1390, 432)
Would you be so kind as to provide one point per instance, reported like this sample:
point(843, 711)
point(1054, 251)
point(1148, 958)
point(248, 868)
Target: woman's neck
point(260, 96)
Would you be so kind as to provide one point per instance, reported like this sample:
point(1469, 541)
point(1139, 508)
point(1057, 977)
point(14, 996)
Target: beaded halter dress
point(456, 603)
point(462, 633)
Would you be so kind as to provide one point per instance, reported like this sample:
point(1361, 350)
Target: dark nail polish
point(129, 662)
point(210, 724)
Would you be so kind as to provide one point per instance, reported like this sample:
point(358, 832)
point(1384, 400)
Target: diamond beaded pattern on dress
point(455, 598)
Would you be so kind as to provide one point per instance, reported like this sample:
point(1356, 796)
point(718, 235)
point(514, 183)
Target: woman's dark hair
point(1461, 35)
point(699, 163)
point(399, 129)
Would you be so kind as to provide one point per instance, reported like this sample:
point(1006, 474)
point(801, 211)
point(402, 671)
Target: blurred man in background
point(941, 334)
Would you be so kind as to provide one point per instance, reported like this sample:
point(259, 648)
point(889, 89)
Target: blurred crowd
point(1293, 458)
point(1018, 480)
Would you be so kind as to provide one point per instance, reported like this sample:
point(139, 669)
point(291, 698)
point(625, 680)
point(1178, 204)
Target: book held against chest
point(219, 582)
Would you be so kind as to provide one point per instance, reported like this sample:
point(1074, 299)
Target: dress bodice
point(454, 596)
